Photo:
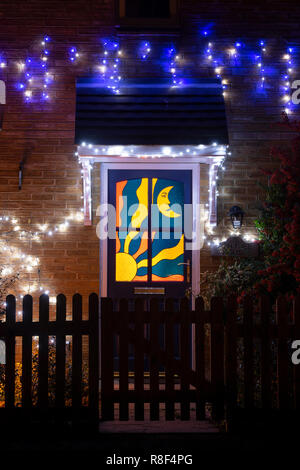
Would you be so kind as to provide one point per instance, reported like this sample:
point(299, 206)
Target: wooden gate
point(230, 358)
point(171, 379)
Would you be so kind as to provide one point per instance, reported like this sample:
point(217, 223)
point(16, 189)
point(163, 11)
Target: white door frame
point(160, 164)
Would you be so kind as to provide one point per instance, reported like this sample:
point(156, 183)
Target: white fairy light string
point(36, 77)
point(145, 50)
point(259, 58)
point(19, 260)
point(286, 85)
point(217, 64)
point(3, 62)
point(109, 65)
point(73, 54)
point(173, 58)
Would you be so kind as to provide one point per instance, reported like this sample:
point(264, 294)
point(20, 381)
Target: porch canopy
point(151, 112)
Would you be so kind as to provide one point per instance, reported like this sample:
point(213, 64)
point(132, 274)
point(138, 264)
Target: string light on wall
point(234, 54)
point(109, 65)
point(217, 151)
point(209, 51)
point(145, 50)
point(217, 64)
point(19, 262)
point(205, 32)
point(73, 54)
point(248, 237)
point(173, 59)
point(260, 64)
point(3, 62)
point(286, 80)
point(87, 153)
point(36, 77)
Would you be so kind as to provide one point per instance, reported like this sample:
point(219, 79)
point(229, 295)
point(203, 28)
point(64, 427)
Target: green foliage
point(271, 228)
point(230, 278)
point(279, 224)
point(278, 227)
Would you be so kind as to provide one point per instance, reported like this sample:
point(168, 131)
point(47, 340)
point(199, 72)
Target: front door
point(153, 211)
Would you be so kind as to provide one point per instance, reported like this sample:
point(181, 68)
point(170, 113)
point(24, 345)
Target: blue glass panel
point(167, 204)
point(167, 256)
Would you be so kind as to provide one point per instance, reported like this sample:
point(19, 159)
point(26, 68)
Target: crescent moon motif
point(163, 203)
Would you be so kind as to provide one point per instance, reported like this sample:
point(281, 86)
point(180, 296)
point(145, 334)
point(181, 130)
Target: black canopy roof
point(151, 112)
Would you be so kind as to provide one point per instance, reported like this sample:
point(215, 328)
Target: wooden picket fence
point(164, 359)
point(198, 375)
point(61, 410)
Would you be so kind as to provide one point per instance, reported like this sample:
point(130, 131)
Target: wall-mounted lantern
point(236, 216)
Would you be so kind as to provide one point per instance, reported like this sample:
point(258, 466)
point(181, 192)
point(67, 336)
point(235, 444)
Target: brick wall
point(44, 134)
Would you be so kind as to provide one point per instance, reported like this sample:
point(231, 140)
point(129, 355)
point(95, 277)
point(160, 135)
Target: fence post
point(60, 355)
point(266, 358)
point(43, 353)
point(200, 357)
point(297, 367)
point(10, 339)
point(123, 358)
point(154, 363)
point(107, 360)
point(27, 353)
point(184, 356)
point(217, 358)
point(169, 335)
point(94, 359)
point(76, 356)
point(231, 357)
point(139, 359)
point(283, 357)
point(248, 354)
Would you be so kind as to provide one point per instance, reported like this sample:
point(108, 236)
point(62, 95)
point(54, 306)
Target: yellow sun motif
point(126, 267)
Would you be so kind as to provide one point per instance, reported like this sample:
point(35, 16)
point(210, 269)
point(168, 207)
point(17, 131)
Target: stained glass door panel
point(131, 253)
point(149, 247)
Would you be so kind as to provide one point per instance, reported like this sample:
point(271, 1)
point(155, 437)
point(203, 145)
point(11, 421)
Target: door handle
point(188, 270)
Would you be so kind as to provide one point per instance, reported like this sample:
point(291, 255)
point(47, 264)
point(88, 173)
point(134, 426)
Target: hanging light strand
point(73, 54)
point(36, 77)
point(109, 65)
point(286, 85)
point(259, 60)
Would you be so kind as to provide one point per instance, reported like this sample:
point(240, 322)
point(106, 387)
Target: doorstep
point(157, 427)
